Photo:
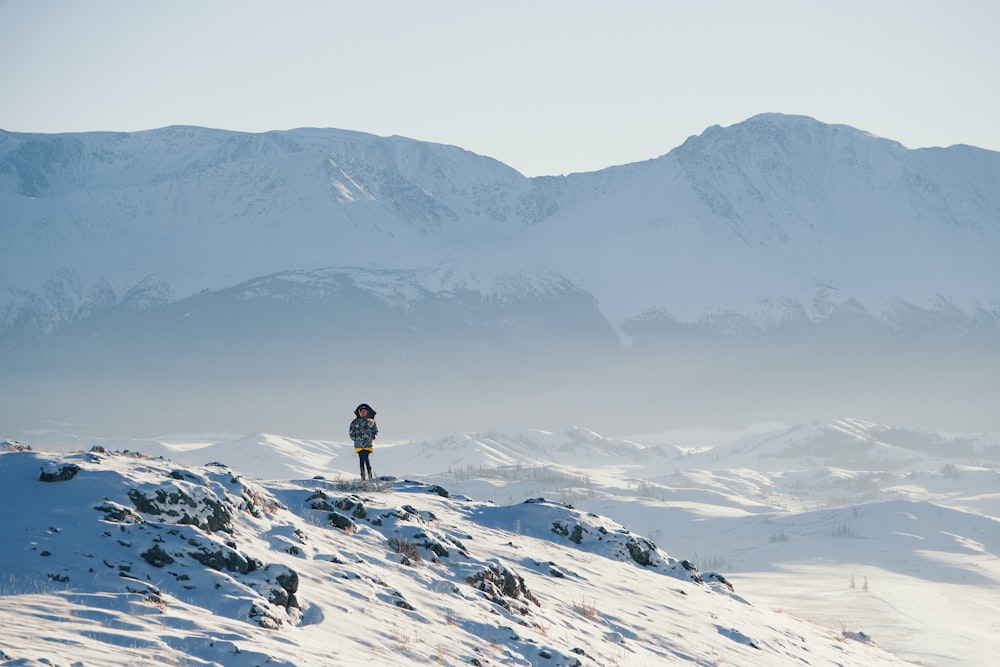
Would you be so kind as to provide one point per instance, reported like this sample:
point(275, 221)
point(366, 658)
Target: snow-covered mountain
point(124, 559)
point(776, 217)
point(313, 258)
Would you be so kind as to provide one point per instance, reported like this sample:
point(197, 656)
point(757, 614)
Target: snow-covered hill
point(125, 559)
point(856, 526)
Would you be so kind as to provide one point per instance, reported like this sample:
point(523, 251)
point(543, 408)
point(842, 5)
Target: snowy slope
point(854, 525)
point(125, 559)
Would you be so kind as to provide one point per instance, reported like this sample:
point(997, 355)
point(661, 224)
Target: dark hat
point(357, 410)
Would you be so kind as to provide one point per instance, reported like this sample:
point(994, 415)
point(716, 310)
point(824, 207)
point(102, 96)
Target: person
point(363, 432)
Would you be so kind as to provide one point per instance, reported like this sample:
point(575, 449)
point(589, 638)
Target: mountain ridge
point(772, 187)
point(718, 279)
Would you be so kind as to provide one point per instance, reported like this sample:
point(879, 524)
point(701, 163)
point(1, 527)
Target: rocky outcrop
point(501, 585)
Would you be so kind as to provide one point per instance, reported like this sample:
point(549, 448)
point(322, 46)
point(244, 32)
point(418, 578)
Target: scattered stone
point(502, 586)
point(342, 522)
point(62, 473)
point(157, 557)
point(13, 446)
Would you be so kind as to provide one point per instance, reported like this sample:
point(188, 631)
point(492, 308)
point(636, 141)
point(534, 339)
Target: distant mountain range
point(776, 253)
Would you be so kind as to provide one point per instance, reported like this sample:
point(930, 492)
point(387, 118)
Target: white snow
point(847, 542)
point(776, 217)
point(838, 553)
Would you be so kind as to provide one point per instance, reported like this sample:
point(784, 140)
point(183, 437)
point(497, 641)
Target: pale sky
point(546, 86)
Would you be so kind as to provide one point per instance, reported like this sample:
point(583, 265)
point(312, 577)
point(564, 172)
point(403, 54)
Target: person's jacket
point(363, 430)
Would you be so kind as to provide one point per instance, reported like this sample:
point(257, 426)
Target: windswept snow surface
point(845, 542)
point(130, 560)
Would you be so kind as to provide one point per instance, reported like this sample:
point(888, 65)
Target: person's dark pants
point(365, 463)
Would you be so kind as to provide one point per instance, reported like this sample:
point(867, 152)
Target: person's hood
point(371, 412)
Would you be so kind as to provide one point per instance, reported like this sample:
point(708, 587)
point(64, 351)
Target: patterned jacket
point(363, 429)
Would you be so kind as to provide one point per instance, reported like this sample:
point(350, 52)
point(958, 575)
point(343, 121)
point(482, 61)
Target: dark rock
point(63, 474)
point(165, 502)
point(342, 522)
point(289, 581)
point(639, 555)
point(502, 585)
point(715, 576)
point(220, 519)
point(225, 560)
point(13, 446)
point(116, 513)
point(157, 557)
point(403, 604)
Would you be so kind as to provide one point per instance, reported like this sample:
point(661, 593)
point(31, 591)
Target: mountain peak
point(775, 135)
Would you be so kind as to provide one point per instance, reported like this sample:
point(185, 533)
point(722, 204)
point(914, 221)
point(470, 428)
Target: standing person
point(363, 431)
